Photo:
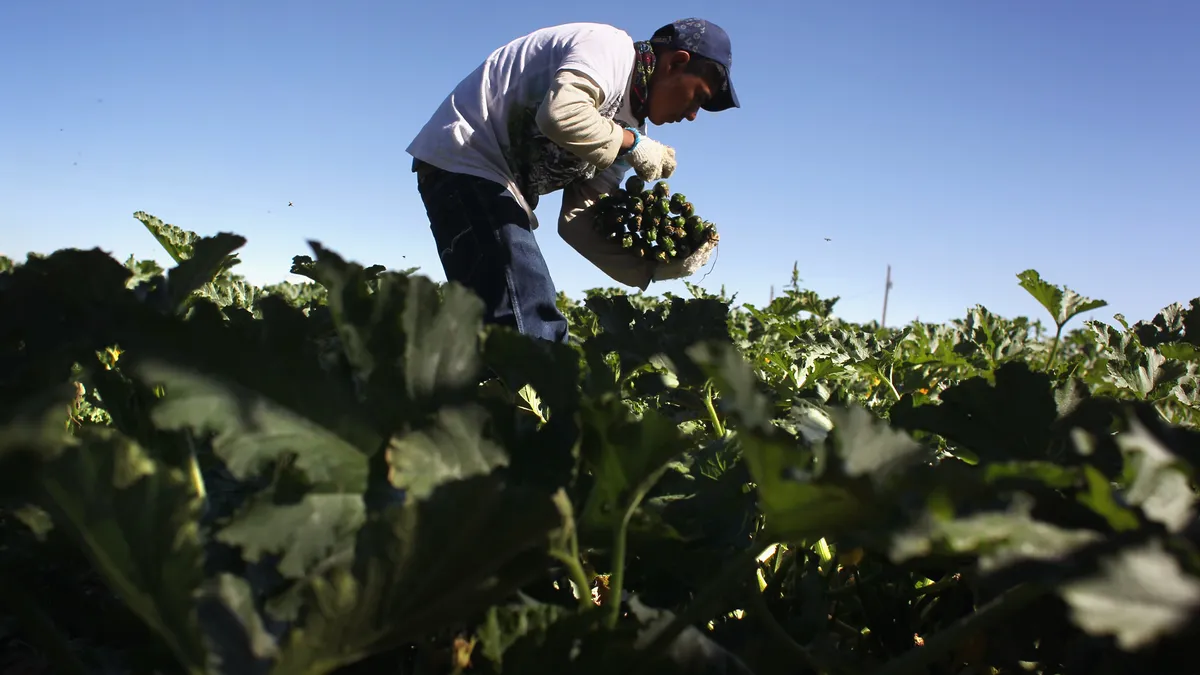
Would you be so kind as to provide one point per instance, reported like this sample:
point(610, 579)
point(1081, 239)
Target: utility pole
point(886, 288)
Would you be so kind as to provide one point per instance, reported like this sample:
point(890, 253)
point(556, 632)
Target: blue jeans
point(486, 243)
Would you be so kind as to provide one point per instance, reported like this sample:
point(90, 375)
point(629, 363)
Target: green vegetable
point(650, 220)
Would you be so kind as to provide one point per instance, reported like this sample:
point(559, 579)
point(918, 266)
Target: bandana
point(643, 68)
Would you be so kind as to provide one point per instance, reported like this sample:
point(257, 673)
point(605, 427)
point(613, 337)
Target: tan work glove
point(652, 160)
point(686, 267)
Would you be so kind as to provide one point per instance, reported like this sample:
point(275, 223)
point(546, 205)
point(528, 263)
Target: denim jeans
point(486, 243)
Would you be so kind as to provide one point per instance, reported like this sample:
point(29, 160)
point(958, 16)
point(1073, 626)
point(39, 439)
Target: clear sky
point(959, 142)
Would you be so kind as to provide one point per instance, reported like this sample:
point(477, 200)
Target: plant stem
point(1053, 347)
point(578, 577)
point(890, 384)
point(917, 660)
point(712, 412)
point(616, 582)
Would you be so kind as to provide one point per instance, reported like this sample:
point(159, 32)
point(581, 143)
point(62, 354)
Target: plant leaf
point(303, 533)
point(209, 257)
point(450, 448)
point(627, 456)
point(1140, 595)
point(134, 518)
point(251, 431)
point(1061, 302)
point(422, 566)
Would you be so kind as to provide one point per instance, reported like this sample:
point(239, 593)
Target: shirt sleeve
point(570, 117)
point(575, 227)
point(603, 53)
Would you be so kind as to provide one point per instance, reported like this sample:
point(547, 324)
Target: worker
point(562, 108)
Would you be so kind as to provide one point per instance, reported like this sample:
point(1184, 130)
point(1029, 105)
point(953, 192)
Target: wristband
point(637, 138)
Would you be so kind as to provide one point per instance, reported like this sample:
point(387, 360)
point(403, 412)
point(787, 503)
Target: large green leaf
point(542, 447)
point(853, 487)
point(443, 327)
point(627, 456)
point(1139, 595)
point(209, 257)
point(238, 638)
point(638, 335)
point(1162, 484)
point(1012, 419)
point(998, 538)
point(542, 639)
point(1132, 367)
point(135, 519)
point(867, 448)
point(1175, 325)
point(506, 625)
point(1062, 303)
point(251, 431)
point(451, 447)
point(177, 241)
point(423, 566)
point(303, 533)
point(414, 345)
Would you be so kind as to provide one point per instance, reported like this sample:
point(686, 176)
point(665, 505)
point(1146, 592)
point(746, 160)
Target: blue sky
point(959, 142)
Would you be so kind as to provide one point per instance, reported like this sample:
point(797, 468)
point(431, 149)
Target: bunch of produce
point(652, 222)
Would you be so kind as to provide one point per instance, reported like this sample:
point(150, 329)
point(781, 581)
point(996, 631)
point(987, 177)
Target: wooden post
point(886, 289)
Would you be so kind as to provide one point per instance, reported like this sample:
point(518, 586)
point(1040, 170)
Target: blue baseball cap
point(706, 39)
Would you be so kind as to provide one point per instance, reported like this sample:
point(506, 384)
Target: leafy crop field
point(353, 475)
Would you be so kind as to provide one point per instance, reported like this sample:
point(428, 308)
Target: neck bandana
point(643, 68)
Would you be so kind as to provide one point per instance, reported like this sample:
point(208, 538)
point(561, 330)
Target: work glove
point(652, 160)
point(686, 267)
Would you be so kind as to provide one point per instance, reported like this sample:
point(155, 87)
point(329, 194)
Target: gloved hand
point(686, 267)
point(652, 160)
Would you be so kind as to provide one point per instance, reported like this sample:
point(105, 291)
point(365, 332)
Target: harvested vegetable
point(650, 221)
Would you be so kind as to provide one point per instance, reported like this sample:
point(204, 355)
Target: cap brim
point(723, 100)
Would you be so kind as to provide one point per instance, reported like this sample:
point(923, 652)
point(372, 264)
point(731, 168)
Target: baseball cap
point(707, 39)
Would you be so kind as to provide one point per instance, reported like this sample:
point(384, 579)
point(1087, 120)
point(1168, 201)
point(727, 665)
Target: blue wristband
point(637, 138)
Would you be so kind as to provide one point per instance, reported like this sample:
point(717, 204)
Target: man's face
point(674, 94)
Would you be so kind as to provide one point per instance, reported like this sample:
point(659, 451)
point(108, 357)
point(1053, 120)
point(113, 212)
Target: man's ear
point(677, 59)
